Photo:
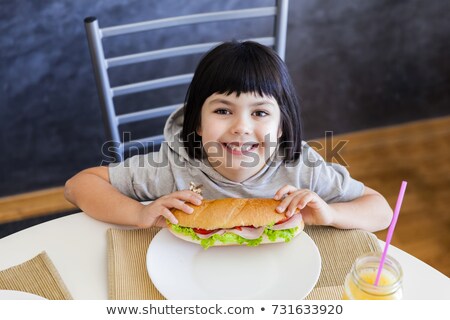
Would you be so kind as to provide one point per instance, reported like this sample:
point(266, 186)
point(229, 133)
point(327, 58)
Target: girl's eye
point(260, 113)
point(222, 111)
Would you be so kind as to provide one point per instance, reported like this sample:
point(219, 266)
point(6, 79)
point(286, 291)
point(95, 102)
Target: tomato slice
point(282, 221)
point(240, 228)
point(202, 231)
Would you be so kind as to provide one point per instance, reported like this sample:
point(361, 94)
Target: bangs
point(242, 69)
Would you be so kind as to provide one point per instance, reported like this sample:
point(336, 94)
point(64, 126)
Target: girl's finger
point(188, 196)
point(294, 204)
point(284, 190)
point(183, 196)
point(160, 222)
point(287, 200)
point(170, 203)
point(169, 216)
point(305, 200)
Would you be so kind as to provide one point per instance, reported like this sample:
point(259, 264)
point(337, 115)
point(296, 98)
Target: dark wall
point(355, 64)
point(370, 63)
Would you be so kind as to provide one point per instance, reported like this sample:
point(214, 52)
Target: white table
point(77, 246)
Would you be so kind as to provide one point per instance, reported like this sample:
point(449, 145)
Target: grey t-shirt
point(150, 176)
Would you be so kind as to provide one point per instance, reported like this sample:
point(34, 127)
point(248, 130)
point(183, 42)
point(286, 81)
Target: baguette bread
point(232, 221)
point(229, 213)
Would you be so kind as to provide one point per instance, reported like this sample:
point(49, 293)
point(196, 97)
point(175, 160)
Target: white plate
point(184, 270)
point(18, 295)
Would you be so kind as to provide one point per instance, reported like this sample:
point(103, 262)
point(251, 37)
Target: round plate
point(184, 270)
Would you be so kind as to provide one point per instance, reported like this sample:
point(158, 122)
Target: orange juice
point(359, 283)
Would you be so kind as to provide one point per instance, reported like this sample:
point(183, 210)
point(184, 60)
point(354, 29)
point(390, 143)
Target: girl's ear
point(199, 131)
point(280, 133)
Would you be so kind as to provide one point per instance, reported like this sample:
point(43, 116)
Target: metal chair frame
point(101, 64)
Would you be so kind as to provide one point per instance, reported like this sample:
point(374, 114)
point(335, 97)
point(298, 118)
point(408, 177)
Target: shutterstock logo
point(218, 155)
point(331, 151)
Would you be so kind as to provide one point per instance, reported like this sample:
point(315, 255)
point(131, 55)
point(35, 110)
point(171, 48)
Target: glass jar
point(359, 282)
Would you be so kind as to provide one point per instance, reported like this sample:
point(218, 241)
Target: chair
point(101, 65)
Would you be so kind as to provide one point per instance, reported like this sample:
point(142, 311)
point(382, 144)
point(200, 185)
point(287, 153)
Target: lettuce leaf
point(287, 235)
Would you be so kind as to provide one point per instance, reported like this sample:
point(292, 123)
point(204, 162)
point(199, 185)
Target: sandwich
point(232, 221)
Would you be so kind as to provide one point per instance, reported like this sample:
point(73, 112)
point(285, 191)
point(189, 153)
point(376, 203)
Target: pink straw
point(391, 230)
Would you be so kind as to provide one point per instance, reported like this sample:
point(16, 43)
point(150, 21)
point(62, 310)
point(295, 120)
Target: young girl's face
point(239, 133)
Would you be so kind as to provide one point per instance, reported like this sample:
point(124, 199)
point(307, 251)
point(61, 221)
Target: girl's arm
point(93, 193)
point(369, 212)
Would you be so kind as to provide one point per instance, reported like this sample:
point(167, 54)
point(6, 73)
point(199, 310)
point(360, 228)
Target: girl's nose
point(241, 126)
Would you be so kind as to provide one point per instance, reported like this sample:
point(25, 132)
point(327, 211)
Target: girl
point(238, 135)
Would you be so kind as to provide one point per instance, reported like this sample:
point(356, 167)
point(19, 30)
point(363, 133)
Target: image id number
point(307, 309)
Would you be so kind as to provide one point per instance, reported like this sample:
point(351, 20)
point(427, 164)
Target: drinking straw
point(391, 230)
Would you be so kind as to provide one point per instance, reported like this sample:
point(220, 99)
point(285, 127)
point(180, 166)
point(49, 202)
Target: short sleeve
point(143, 177)
point(331, 181)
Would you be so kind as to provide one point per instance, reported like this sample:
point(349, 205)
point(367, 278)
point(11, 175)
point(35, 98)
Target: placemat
point(37, 276)
point(338, 249)
point(127, 270)
point(128, 277)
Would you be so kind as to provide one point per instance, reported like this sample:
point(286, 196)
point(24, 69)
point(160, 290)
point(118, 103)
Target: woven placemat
point(127, 270)
point(128, 277)
point(338, 249)
point(37, 276)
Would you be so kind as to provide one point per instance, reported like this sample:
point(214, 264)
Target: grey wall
point(355, 64)
point(369, 63)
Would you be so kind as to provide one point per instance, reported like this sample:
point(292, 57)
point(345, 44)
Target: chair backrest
point(101, 65)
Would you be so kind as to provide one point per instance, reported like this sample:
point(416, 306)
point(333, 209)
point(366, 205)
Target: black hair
point(243, 67)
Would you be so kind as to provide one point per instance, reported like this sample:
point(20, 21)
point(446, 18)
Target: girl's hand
point(313, 209)
point(156, 213)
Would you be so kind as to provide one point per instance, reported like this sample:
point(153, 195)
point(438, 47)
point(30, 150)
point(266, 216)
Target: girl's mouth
point(240, 149)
